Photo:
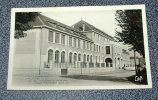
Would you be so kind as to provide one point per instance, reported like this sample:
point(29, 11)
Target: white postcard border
point(88, 8)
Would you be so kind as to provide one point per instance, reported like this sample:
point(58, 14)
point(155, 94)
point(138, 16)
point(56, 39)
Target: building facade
point(52, 47)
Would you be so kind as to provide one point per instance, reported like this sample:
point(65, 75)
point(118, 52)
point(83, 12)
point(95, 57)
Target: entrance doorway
point(108, 62)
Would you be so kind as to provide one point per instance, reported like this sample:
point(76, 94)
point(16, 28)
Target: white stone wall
point(26, 50)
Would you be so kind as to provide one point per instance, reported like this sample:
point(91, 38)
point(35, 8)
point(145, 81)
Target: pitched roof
point(95, 29)
point(43, 20)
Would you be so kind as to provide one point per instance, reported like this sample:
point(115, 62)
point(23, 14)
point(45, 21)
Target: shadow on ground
point(133, 80)
point(98, 78)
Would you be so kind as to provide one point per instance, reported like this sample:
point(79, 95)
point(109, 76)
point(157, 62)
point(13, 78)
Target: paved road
point(101, 79)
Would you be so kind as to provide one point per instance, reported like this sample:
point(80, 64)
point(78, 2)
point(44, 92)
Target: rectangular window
point(74, 42)
point(63, 39)
point(94, 47)
point(78, 43)
point(57, 38)
point(97, 48)
point(90, 46)
point(70, 41)
point(107, 49)
point(87, 45)
point(83, 44)
point(50, 36)
point(98, 36)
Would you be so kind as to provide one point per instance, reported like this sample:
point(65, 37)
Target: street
point(103, 79)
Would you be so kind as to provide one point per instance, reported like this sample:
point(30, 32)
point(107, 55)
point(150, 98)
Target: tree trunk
point(135, 61)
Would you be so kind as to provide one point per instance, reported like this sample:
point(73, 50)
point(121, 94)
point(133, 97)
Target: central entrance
point(108, 62)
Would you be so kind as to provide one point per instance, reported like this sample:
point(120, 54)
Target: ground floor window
point(88, 58)
point(79, 57)
point(57, 56)
point(50, 55)
point(75, 57)
point(84, 58)
point(62, 57)
point(91, 58)
point(70, 57)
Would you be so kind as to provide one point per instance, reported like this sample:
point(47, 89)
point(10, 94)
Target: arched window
point(115, 62)
point(91, 58)
point(75, 57)
point(108, 62)
point(88, 58)
point(84, 58)
point(62, 57)
point(70, 57)
point(79, 57)
point(57, 56)
point(50, 55)
point(96, 58)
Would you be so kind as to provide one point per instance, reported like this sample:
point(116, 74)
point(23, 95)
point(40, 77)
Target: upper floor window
point(90, 46)
point(63, 39)
point(52, 24)
point(107, 49)
point(50, 36)
point(98, 36)
point(84, 45)
point(70, 41)
point(87, 45)
point(62, 28)
point(78, 43)
point(57, 37)
point(94, 47)
point(74, 42)
point(97, 48)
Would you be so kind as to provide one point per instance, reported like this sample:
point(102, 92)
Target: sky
point(103, 20)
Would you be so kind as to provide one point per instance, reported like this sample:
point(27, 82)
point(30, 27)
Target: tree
point(22, 20)
point(130, 22)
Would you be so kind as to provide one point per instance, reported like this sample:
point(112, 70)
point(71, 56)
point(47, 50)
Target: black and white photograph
point(71, 48)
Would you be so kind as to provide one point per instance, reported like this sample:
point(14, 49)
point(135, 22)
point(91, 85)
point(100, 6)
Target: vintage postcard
point(71, 48)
